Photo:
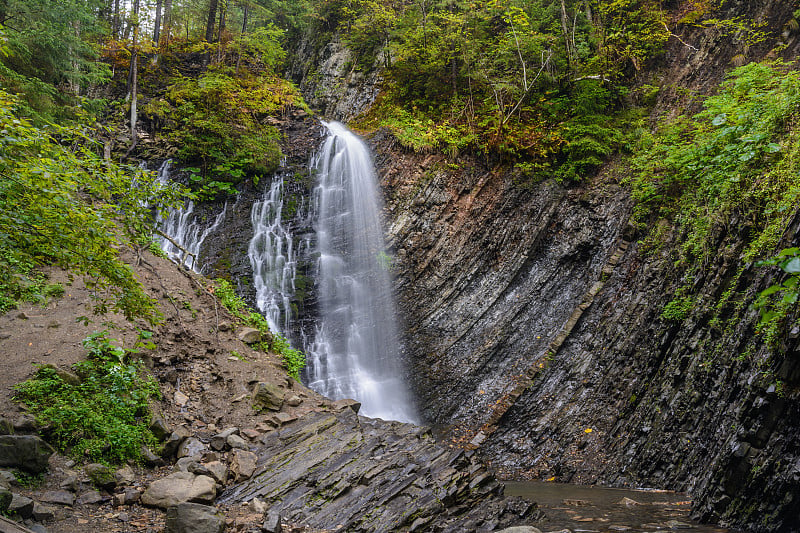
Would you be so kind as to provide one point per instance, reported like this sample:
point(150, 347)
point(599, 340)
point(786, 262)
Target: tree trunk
point(157, 24)
point(3, 11)
point(212, 17)
point(565, 29)
point(223, 13)
point(115, 21)
point(134, 72)
point(166, 26)
point(244, 19)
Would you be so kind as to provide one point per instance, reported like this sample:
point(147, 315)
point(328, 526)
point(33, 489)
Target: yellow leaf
point(587, 430)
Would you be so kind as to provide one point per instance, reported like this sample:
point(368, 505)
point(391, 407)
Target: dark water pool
point(599, 509)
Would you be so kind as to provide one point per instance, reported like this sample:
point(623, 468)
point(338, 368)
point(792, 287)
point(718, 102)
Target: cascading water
point(272, 257)
point(184, 228)
point(355, 350)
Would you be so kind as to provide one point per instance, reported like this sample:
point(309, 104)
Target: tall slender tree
point(212, 17)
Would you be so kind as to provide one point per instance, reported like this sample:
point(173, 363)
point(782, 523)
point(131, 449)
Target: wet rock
point(249, 335)
point(26, 452)
point(190, 447)
point(336, 468)
point(267, 396)
point(243, 464)
point(520, 529)
point(180, 398)
point(21, 505)
point(60, 497)
point(42, 513)
point(193, 518)
point(272, 523)
point(219, 440)
point(628, 502)
point(178, 488)
point(101, 475)
point(676, 524)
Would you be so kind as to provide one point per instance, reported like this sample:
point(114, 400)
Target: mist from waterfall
point(355, 350)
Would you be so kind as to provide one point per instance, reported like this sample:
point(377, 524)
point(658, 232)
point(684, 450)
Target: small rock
point(217, 470)
point(65, 375)
point(25, 424)
point(224, 326)
point(185, 463)
point(61, 497)
point(178, 488)
point(235, 441)
point(251, 434)
point(258, 506)
point(174, 441)
point(283, 418)
point(219, 440)
point(89, 497)
point(6, 427)
point(249, 335)
point(125, 475)
point(629, 502)
point(21, 505)
point(159, 428)
point(149, 458)
point(38, 528)
point(193, 518)
point(267, 396)
point(127, 497)
point(675, 524)
point(124, 517)
point(272, 523)
point(42, 513)
point(576, 503)
point(101, 475)
point(294, 400)
point(180, 399)
point(345, 403)
point(26, 452)
point(520, 529)
point(191, 446)
point(71, 482)
point(243, 464)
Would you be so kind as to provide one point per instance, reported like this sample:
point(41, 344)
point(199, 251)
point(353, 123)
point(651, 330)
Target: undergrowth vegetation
point(293, 359)
point(736, 164)
point(99, 413)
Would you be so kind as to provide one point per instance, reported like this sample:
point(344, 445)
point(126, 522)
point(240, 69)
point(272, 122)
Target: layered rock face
point(357, 474)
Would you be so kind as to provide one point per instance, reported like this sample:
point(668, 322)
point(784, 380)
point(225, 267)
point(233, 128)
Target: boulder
point(235, 441)
point(294, 400)
point(191, 447)
point(272, 523)
point(193, 518)
point(26, 452)
point(179, 487)
point(243, 464)
point(249, 335)
point(89, 497)
point(159, 428)
point(6, 427)
point(125, 476)
point(347, 403)
point(215, 469)
point(61, 497)
point(42, 513)
point(21, 506)
point(101, 476)
point(219, 440)
point(267, 396)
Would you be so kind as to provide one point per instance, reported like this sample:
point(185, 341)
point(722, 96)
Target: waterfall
point(272, 257)
point(355, 349)
point(184, 227)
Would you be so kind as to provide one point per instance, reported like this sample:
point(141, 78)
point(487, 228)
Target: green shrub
point(103, 416)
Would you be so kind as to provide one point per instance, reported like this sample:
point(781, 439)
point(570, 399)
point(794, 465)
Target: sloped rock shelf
point(362, 475)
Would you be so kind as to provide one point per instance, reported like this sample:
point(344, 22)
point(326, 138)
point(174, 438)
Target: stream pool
point(600, 509)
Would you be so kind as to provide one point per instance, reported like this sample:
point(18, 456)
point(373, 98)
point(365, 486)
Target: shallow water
point(600, 509)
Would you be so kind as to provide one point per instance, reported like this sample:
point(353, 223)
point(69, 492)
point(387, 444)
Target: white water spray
point(272, 257)
point(184, 228)
point(355, 352)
